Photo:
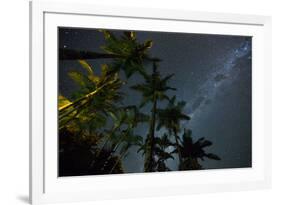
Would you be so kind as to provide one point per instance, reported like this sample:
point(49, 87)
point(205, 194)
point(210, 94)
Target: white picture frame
point(46, 187)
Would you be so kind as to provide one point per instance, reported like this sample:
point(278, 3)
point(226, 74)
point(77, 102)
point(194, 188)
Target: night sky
point(212, 74)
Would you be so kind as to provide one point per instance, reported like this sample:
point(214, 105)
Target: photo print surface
point(139, 101)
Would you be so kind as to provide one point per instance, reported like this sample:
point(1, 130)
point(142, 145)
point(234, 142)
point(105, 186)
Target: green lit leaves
point(85, 80)
point(86, 66)
point(148, 44)
point(124, 46)
point(131, 53)
point(130, 35)
point(63, 101)
point(97, 96)
point(78, 78)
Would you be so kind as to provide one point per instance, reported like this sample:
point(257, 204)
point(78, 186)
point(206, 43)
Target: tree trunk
point(118, 161)
point(150, 141)
point(70, 54)
point(178, 148)
point(149, 161)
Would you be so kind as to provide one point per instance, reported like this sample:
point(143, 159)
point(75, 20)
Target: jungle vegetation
point(96, 130)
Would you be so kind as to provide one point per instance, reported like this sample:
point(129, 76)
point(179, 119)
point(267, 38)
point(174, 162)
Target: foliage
point(192, 151)
point(78, 155)
point(154, 87)
point(171, 116)
point(97, 132)
point(162, 144)
point(97, 96)
point(132, 53)
point(85, 116)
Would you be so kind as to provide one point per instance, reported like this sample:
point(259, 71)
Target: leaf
point(129, 71)
point(174, 151)
point(104, 70)
point(107, 34)
point(185, 117)
point(113, 116)
point(162, 96)
point(148, 44)
point(99, 120)
point(77, 77)
point(204, 143)
point(130, 35)
point(94, 79)
point(172, 101)
point(63, 101)
point(86, 66)
point(168, 77)
point(181, 104)
point(213, 156)
point(169, 88)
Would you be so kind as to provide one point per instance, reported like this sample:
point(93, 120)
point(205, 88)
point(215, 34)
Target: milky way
point(222, 75)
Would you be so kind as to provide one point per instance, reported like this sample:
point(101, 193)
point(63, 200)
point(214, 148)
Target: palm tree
point(162, 144)
point(86, 116)
point(126, 139)
point(122, 139)
point(153, 90)
point(192, 151)
point(97, 96)
point(170, 118)
point(133, 54)
point(126, 52)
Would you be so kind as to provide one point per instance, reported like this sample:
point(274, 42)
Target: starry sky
point(212, 74)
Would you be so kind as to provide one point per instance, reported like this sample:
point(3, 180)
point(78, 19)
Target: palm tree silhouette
point(192, 151)
point(170, 118)
point(153, 90)
point(162, 144)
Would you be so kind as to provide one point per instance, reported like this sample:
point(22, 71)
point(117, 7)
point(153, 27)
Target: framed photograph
point(130, 102)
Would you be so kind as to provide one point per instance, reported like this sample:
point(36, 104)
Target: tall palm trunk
point(118, 161)
point(70, 54)
point(148, 164)
point(178, 148)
